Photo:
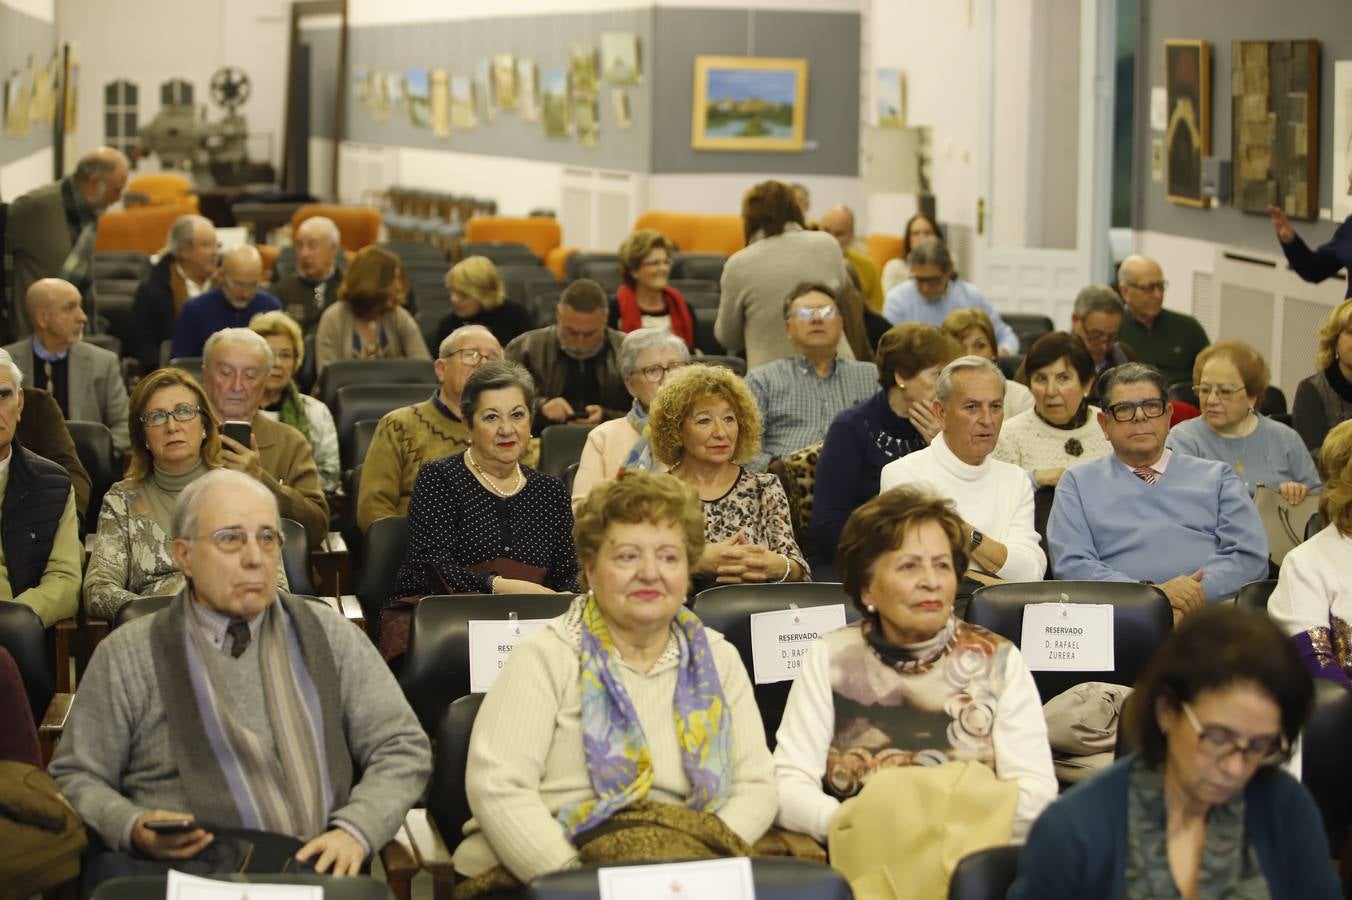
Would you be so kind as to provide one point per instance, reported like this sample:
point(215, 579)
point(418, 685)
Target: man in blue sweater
point(231, 305)
point(1149, 514)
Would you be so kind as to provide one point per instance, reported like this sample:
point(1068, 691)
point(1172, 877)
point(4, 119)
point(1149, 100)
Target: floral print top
point(757, 505)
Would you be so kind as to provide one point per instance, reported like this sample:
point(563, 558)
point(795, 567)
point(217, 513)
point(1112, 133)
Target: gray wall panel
point(22, 36)
point(1219, 24)
point(829, 42)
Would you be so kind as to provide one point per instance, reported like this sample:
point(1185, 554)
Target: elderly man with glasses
point(1159, 337)
point(1148, 514)
point(412, 435)
point(799, 396)
point(934, 290)
point(230, 305)
point(238, 707)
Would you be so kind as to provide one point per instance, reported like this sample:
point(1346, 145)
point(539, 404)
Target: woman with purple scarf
point(624, 730)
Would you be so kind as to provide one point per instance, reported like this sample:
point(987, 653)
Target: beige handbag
point(1284, 523)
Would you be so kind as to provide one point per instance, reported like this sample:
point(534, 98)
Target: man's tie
point(238, 629)
point(1147, 474)
point(47, 374)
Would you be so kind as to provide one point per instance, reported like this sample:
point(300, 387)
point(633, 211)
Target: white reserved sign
point(1068, 637)
point(779, 639)
point(726, 879)
point(490, 640)
point(190, 887)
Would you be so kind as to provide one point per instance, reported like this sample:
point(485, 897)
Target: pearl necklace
point(487, 479)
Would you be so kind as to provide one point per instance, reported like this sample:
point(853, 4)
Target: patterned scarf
point(640, 456)
point(291, 410)
point(1230, 868)
point(283, 791)
point(618, 757)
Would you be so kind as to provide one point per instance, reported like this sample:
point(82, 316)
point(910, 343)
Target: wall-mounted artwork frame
point(620, 63)
point(1187, 137)
point(1274, 93)
point(555, 99)
point(744, 103)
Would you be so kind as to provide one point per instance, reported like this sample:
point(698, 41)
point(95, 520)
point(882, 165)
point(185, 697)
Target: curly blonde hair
point(1339, 320)
point(638, 498)
point(678, 396)
point(477, 277)
point(1335, 465)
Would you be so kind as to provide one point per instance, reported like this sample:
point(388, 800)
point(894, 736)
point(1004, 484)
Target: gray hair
point(183, 524)
point(444, 348)
point(1097, 298)
point(326, 225)
point(182, 232)
point(638, 341)
point(494, 376)
point(1130, 373)
point(99, 165)
point(931, 252)
point(239, 336)
point(14, 370)
point(944, 386)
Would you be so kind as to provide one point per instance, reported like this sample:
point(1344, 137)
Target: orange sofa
point(883, 248)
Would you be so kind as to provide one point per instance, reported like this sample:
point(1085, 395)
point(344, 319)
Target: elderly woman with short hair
point(705, 426)
point(910, 684)
point(646, 299)
point(624, 730)
point(647, 356)
point(479, 522)
point(478, 298)
point(369, 320)
point(283, 402)
point(972, 328)
point(1230, 378)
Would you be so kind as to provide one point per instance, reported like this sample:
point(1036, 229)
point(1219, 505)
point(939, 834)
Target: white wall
point(150, 41)
point(22, 175)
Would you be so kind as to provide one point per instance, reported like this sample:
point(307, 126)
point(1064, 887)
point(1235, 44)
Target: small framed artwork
point(464, 115)
point(1274, 88)
point(418, 91)
point(891, 98)
point(582, 63)
point(619, 57)
point(504, 80)
point(1187, 136)
point(440, 102)
point(528, 90)
point(745, 103)
point(554, 102)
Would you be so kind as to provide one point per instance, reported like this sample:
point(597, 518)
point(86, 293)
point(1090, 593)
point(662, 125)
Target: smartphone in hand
point(238, 431)
point(171, 826)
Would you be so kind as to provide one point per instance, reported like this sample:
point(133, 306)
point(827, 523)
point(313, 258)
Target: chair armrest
point(400, 864)
point(53, 723)
point(778, 842)
point(433, 854)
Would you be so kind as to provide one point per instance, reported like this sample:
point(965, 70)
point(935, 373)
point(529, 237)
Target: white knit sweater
point(1030, 443)
point(995, 498)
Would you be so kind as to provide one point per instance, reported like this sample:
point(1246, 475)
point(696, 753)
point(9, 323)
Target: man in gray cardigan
point(240, 707)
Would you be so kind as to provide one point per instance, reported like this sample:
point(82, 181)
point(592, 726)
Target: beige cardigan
point(526, 759)
point(608, 446)
point(333, 337)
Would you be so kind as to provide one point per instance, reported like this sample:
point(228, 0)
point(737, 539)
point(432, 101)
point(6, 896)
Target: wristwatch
point(977, 538)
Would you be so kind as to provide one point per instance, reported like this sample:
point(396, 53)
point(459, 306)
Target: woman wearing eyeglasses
point(645, 299)
point(646, 356)
point(174, 441)
point(1230, 378)
point(1202, 810)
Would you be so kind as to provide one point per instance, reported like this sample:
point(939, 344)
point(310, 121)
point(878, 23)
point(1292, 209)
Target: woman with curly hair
point(369, 320)
point(704, 426)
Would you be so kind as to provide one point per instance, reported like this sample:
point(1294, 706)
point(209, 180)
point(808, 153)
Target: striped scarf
point(287, 791)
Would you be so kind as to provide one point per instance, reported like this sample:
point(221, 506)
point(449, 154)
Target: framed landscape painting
point(749, 104)
point(1187, 137)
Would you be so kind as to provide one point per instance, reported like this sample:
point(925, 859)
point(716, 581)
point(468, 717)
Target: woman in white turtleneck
point(174, 440)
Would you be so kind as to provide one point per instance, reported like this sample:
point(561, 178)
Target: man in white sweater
point(994, 498)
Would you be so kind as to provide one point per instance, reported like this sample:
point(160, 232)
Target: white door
point(1045, 199)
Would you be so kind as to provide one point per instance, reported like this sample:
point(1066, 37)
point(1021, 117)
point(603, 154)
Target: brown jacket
point(289, 464)
point(43, 430)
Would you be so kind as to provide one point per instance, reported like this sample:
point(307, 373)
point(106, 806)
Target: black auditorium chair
point(500, 252)
point(362, 433)
point(736, 363)
point(141, 606)
point(356, 402)
point(436, 666)
point(561, 446)
point(702, 299)
point(193, 365)
point(340, 373)
point(1142, 619)
point(1028, 326)
point(1314, 525)
point(604, 272)
point(694, 286)
point(94, 446)
point(296, 558)
point(579, 262)
point(352, 887)
point(728, 608)
point(984, 875)
point(706, 341)
point(446, 802)
point(22, 634)
point(1323, 764)
point(707, 266)
point(1255, 594)
point(386, 543)
point(109, 342)
point(774, 878)
point(569, 476)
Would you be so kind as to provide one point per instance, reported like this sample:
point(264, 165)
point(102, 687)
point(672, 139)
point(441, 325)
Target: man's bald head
point(242, 268)
point(56, 310)
point(838, 221)
point(100, 175)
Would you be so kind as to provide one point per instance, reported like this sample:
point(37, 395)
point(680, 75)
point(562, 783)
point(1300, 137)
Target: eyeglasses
point(1150, 287)
point(1125, 412)
point(158, 418)
point(472, 357)
point(928, 280)
point(1100, 336)
point(808, 313)
point(1225, 392)
point(233, 539)
point(1218, 742)
point(242, 286)
point(655, 264)
point(657, 373)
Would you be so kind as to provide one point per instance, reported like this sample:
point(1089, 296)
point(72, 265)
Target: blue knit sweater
point(208, 313)
point(1109, 525)
point(1078, 846)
